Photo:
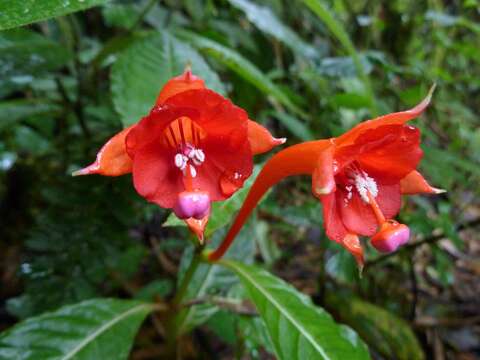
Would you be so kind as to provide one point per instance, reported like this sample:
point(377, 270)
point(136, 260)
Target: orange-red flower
point(359, 177)
point(194, 147)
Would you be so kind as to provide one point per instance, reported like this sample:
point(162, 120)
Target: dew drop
point(230, 182)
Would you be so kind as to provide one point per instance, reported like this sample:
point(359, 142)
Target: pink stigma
point(390, 237)
point(192, 204)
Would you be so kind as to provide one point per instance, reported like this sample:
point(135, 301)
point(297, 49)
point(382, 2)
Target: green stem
point(182, 290)
point(177, 301)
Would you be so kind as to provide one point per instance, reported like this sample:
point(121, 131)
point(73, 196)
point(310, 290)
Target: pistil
point(376, 209)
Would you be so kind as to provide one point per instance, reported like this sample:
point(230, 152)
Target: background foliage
point(305, 69)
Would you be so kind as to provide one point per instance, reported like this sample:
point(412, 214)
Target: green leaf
point(15, 110)
point(157, 288)
point(14, 13)
point(264, 19)
point(337, 29)
point(387, 333)
point(25, 55)
point(146, 66)
point(93, 329)
point(241, 66)
point(297, 328)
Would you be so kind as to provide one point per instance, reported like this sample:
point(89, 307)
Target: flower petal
point(332, 219)
point(351, 242)
point(415, 183)
point(389, 119)
point(387, 152)
point(154, 175)
point(323, 180)
point(112, 159)
point(151, 127)
point(217, 115)
point(395, 156)
point(359, 217)
point(260, 138)
point(186, 81)
point(227, 165)
point(228, 156)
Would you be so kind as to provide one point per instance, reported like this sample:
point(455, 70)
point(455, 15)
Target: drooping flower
point(359, 177)
point(194, 147)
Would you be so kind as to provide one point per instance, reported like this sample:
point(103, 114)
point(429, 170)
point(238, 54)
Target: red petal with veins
point(225, 145)
point(388, 152)
point(397, 118)
point(260, 138)
point(358, 216)
point(217, 115)
point(176, 85)
point(228, 156)
point(395, 158)
point(415, 183)
point(151, 128)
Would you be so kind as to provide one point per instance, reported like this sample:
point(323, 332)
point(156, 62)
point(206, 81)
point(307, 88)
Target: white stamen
point(365, 184)
point(193, 171)
point(178, 160)
point(189, 157)
point(237, 176)
point(200, 155)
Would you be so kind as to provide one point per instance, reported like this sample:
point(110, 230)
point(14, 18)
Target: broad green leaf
point(263, 18)
point(15, 13)
point(15, 110)
point(337, 29)
point(382, 330)
point(255, 335)
point(145, 66)
point(298, 329)
point(93, 329)
point(25, 55)
point(241, 66)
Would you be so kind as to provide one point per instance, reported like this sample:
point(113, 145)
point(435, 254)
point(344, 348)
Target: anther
point(365, 185)
point(193, 171)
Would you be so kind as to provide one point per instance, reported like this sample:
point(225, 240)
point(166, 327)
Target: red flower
point(194, 147)
point(359, 177)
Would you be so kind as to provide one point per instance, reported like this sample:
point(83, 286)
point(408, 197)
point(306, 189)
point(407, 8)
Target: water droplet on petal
point(230, 182)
